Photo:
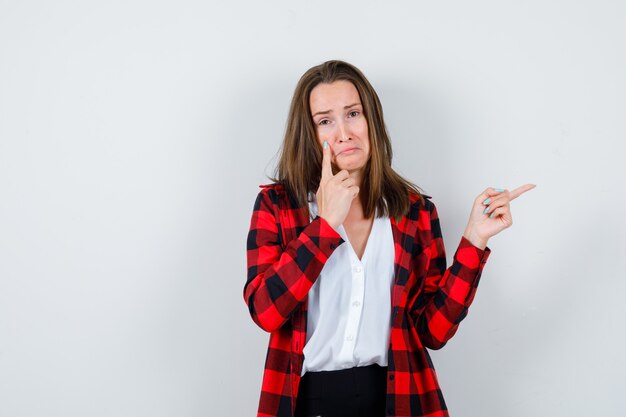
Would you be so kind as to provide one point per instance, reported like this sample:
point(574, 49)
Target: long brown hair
point(299, 166)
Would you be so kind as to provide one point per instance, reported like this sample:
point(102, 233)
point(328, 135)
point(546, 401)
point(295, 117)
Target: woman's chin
point(349, 165)
point(350, 168)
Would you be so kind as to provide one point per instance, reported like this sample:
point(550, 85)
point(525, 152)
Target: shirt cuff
point(471, 256)
point(466, 271)
point(329, 238)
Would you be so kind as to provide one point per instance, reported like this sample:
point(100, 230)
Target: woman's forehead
point(328, 96)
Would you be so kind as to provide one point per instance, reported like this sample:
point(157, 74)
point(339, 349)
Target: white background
point(133, 138)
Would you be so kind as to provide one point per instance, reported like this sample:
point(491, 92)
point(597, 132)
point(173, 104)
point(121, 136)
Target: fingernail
point(325, 144)
point(485, 210)
point(487, 201)
point(500, 190)
point(492, 214)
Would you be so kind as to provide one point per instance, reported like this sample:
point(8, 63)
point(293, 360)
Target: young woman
point(346, 263)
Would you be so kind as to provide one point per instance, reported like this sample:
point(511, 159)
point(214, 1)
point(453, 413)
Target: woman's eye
point(353, 113)
point(324, 122)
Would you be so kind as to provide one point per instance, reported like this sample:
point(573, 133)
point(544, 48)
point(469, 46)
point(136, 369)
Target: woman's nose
point(343, 133)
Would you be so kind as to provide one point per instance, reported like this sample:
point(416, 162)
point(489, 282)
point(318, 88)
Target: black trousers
point(353, 392)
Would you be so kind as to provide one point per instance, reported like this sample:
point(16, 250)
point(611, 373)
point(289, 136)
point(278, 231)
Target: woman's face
point(338, 118)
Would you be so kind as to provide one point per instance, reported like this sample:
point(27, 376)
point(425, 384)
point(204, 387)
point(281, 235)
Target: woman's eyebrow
point(344, 107)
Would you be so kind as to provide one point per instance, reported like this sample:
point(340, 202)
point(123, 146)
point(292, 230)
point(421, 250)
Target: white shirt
point(349, 310)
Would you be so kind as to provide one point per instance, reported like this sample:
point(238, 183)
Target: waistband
point(313, 382)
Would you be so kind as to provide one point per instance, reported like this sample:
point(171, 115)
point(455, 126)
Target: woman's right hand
point(335, 193)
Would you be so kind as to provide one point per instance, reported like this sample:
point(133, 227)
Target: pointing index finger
point(520, 190)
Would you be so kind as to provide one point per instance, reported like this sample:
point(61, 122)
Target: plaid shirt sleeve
point(448, 292)
point(280, 278)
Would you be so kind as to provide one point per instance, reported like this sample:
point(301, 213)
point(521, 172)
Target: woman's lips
point(347, 151)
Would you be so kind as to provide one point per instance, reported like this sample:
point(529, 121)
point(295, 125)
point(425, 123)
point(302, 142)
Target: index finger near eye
point(327, 171)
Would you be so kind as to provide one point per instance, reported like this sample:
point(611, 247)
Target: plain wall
point(133, 138)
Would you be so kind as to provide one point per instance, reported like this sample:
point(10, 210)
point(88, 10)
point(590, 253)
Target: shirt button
point(356, 303)
point(391, 377)
point(350, 338)
point(357, 269)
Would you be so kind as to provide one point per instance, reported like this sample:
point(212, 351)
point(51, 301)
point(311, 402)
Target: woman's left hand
point(491, 214)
